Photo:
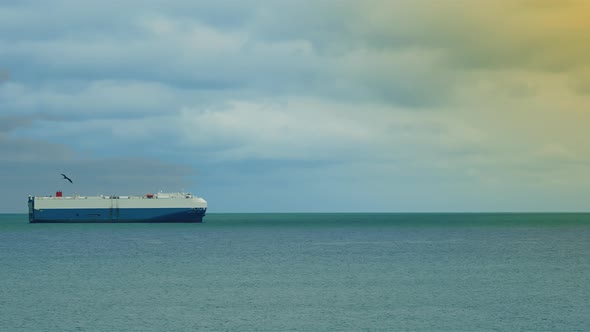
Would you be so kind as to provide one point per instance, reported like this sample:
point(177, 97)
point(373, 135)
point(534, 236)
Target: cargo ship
point(160, 207)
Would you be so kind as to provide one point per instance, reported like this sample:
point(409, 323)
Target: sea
point(299, 272)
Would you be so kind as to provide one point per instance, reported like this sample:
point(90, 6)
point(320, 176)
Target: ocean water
point(299, 272)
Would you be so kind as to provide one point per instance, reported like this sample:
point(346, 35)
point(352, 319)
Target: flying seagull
point(67, 178)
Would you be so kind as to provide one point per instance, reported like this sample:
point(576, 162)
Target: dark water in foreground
point(306, 272)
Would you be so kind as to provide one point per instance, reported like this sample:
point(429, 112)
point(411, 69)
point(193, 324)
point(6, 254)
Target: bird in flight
point(67, 178)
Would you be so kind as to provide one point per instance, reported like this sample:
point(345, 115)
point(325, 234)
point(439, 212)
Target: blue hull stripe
point(118, 215)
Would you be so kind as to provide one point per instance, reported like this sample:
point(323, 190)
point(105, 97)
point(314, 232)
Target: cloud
point(197, 54)
point(406, 105)
point(32, 167)
point(95, 99)
point(8, 123)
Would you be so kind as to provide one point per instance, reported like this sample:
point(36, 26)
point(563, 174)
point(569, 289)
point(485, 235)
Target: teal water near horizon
point(299, 272)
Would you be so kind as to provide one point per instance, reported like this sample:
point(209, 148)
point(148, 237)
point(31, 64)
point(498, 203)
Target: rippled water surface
point(306, 272)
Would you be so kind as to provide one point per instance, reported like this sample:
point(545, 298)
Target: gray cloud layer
point(355, 106)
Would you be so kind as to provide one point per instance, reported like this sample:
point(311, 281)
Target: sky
point(299, 106)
